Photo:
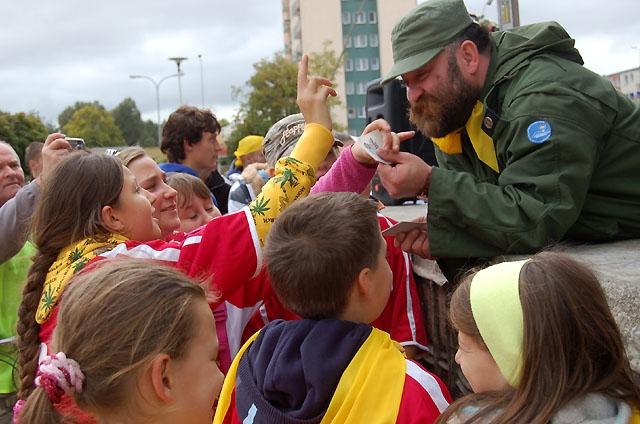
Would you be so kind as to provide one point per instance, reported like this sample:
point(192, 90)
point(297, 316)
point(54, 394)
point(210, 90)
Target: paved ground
point(404, 212)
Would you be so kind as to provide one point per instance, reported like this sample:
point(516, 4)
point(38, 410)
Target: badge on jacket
point(539, 132)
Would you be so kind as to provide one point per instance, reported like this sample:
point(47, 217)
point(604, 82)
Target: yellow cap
point(249, 144)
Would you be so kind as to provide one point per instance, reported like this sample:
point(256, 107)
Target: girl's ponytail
point(36, 409)
point(27, 328)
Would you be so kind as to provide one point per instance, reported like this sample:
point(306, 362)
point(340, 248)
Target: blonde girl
point(135, 343)
point(154, 180)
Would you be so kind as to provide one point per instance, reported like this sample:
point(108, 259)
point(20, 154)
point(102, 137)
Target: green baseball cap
point(422, 33)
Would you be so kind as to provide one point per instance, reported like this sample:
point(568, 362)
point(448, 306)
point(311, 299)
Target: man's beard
point(449, 108)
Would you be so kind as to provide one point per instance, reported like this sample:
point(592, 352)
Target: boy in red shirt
point(326, 261)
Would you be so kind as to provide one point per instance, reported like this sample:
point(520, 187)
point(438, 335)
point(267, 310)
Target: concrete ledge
point(618, 267)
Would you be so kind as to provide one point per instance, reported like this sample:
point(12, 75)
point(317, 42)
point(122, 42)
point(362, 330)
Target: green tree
point(127, 117)
point(65, 116)
point(270, 94)
point(20, 129)
point(149, 137)
point(96, 126)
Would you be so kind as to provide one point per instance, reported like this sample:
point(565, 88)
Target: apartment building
point(627, 82)
point(359, 30)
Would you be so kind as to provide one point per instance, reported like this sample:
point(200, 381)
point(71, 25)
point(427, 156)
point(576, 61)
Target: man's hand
point(312, 96)
point(391, 141)
point(408, 177)
point(414, 241)
point(54, 150)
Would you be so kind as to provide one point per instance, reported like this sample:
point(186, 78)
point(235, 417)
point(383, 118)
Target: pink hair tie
point(58, 375)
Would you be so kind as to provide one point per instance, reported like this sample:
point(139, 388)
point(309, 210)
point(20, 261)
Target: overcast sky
point(53, 53)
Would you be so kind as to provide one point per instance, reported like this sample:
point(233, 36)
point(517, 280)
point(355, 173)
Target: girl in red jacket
point(92, 208)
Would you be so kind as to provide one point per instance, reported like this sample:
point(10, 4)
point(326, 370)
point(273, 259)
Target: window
point(362, 88)
point(362, 113)
point(348, 65)
point(350, 88)
point(346, 18)
point(360, 18)
point(362, 64)
point(360, 40)
point(375, 63)
point(373, 18)
point(347, 42)
point(373, 40)
point(351, 113)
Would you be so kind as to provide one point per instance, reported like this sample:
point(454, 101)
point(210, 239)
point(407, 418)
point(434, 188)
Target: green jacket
point(582, 183)
point(13, 274)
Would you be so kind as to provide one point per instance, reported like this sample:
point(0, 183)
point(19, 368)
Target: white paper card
point(371, 142)
point(404, 227)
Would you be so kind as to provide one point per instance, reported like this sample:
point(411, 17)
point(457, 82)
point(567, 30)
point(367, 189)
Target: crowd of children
point(142, 297)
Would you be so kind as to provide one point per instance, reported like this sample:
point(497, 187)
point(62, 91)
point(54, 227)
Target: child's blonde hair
point(113, 320)
point(187, 186)
point(571, 345)
point(130, 154)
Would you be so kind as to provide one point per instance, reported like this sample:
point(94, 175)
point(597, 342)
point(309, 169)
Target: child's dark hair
point(114, 318)
point(68, 210)
point(187, 186)
point(316, 249)
point(571, 345)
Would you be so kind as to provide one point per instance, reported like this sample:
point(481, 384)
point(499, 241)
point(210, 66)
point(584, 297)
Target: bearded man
point(532, 147)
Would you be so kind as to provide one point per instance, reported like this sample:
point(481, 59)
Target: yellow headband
point(497, 311)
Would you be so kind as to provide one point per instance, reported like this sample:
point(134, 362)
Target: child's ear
point(363, 282)
point(110, 220)
point(162, 379)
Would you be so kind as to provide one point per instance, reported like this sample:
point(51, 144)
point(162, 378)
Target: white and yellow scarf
point(70, 260)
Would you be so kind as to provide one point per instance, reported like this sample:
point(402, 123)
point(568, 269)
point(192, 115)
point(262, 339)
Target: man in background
point(189, 139)
point(33, 157)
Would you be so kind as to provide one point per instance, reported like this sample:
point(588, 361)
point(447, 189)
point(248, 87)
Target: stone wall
point(617, 265)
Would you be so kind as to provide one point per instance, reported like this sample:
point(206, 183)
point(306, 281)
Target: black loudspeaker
point(390, 103)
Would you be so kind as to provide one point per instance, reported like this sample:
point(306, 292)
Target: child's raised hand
point(312, 96)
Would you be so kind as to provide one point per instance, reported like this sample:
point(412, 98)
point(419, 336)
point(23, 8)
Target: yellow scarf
point(635, 415)
point(481, 141)
point(70, 260)
point(371, 386)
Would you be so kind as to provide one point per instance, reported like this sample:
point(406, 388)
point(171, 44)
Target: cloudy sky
point(53, 53)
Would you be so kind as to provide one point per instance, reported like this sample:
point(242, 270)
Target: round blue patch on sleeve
point(539, 132)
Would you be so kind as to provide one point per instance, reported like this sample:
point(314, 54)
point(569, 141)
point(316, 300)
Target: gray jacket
point(14, 220)
point(593, 408)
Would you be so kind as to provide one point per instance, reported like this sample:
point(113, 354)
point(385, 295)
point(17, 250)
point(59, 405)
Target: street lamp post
point(157, 86)
point(178, 61)
point(201, 80)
